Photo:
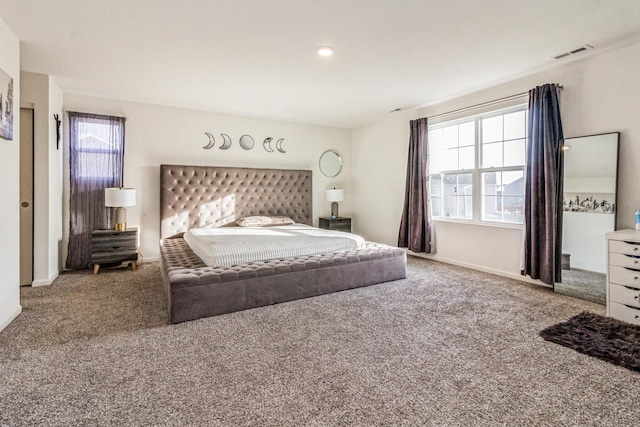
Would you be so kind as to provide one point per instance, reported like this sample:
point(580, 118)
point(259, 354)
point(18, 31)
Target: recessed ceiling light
point(325, 51)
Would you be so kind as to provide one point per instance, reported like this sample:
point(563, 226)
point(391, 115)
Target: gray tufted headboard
point(209, 196)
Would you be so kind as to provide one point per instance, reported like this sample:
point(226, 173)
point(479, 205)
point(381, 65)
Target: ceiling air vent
point(574, 51)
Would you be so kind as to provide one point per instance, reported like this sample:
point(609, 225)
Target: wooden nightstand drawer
point(339, 224)
point(113, 246)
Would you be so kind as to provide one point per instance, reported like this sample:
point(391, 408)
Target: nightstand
point(340, 224)
point(114, 246)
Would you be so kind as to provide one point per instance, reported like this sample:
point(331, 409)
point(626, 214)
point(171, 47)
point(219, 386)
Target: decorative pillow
point(264, 221)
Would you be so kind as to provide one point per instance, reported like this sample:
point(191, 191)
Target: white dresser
point(623, 275)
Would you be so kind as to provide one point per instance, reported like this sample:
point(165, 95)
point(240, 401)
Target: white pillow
point(264, 221)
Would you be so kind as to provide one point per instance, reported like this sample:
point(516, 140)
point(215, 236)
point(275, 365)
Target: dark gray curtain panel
point(543, 186)
point(96, 145)
point(415, 233)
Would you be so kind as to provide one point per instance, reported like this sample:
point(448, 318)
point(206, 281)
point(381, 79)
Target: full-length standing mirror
point(590, 190)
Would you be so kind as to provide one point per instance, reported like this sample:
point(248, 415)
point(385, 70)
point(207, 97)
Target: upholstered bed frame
point(204, 196)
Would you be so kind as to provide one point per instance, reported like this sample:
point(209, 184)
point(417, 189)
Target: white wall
point(43, 93)
point(582, 239)
point(600, 95)
point(10, 191)
point(55, 261)
point(158, 135)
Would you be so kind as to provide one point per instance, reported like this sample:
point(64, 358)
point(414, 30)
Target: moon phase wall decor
point(227, 142)
point(267, 145)
point(246, 142)
point(212, 141)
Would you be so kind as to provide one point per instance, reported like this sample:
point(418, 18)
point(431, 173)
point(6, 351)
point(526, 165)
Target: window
point(477, 167)
point(96, 154)
point(99, 145)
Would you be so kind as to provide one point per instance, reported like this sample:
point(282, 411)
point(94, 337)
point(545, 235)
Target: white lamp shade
point(335, 195)
point(119, 197)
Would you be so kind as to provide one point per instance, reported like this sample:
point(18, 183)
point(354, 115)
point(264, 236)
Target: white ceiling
point(257, 57)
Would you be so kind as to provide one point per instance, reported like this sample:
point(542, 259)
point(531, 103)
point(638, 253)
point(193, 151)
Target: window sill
point(480, 223)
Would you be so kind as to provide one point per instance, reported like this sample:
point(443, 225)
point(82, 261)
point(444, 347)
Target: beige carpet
point(447, 346)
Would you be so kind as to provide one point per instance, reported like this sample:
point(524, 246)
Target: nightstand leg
point(133, 265)
point(96, 267)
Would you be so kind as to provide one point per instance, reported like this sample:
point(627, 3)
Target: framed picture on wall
point(6, 106)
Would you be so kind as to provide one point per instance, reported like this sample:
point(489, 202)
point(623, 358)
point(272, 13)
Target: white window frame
point(477, 171)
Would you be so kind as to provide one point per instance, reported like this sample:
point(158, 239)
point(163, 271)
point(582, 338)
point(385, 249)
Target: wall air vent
point(574, 51)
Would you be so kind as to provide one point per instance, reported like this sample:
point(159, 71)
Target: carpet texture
point(598, 336)
point(445, 347)
point(583, 284)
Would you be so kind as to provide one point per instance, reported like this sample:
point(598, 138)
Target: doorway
point(26, 196)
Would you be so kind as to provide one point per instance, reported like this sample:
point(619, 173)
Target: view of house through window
point(476, 169)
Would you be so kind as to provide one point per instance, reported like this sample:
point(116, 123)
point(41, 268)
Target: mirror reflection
point(330, 163)
point(590, 175)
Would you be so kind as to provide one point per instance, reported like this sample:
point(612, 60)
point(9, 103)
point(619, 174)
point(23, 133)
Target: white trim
point(10, 318)
point(38, 283)
point(479, 222)
point(518, 277)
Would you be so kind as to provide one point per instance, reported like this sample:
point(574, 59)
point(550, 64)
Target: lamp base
point(334, 210)
point(121, 219)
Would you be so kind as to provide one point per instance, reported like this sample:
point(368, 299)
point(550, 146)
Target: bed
point(195, 197)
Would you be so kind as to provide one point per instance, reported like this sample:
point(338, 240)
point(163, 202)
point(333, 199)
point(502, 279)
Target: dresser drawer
point(623, 260)
point(622, 247)
point(624, 295)
point(624, 276)
point(624, 313)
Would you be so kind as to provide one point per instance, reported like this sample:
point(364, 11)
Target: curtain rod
point(93, 114)
point(483, 104)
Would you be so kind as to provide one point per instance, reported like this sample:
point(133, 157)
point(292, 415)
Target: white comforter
point(228, 246)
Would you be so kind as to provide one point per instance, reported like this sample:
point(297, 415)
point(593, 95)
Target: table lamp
point(334, 196)
point(119, 198)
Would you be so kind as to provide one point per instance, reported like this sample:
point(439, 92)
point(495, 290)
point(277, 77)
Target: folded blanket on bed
point(228, 246)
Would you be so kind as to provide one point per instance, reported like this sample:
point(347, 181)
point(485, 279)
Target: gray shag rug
point(447, 346)
point(598, 336)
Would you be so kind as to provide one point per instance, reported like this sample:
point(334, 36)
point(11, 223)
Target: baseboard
point(146, 260)
point(4, 323)
point(519, 277)
point(37, 283)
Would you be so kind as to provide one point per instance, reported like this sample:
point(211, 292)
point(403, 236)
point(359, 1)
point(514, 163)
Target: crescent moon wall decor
point(227, 141)
point(212, 141)
point(267, 145)
point(246, 142)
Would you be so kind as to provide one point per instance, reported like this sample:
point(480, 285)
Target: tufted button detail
point(211, 196)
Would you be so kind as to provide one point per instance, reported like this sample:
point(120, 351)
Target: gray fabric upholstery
point(208, 196)
point(199, 196)
point(195, 290)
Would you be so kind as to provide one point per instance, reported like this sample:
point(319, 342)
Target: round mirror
point(330, 163)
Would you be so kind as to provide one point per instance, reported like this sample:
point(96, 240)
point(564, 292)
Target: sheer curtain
point(415, 233)
point(542, 255)
point(96, 145)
